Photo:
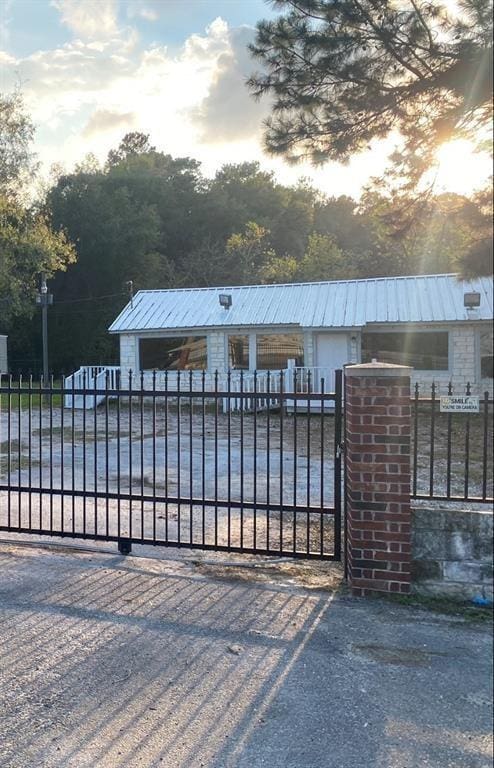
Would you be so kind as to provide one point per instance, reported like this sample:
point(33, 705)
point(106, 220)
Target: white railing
point(314, 379)
point(262, 382)
point(302, 380)
point(90, 377)
point(293, 379)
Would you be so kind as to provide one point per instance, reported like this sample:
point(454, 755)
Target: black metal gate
point(142, 462)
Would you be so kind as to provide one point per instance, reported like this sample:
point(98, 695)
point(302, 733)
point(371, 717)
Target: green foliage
point(154, 219)
point(438, 239)
point(279, 269)
point(250, 194)
point(324, 260)
point(246, 252)
point(17, 162)
point(476, 258)
point(342, 73)
point(132, 145)
point(28, 243)
point(117, 239)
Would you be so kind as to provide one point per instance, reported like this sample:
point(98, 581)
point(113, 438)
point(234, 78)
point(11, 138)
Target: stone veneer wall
point(452, 552)
point(309, 351)
point(464, 364)
point(129, 349)
point(464, 351)
point(217, 352)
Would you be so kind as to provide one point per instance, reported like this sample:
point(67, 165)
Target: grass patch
point(17, 400)
point(447, 606)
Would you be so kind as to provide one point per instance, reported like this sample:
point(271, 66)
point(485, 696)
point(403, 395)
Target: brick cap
point(378, 369)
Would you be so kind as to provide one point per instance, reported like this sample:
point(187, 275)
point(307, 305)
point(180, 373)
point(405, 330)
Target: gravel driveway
point(110, 662)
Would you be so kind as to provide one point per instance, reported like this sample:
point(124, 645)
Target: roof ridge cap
point(296, 284)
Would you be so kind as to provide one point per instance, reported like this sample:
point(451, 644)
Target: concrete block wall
point(464, 365)
point(217, 351)
point(129, 352)
point(463, 349)
point(452, 552)
point(464, 362)
point(309, 352)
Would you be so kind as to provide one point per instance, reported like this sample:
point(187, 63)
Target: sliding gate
point(143, 463)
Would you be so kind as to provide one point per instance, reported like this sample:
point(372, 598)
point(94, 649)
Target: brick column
point(377, 411)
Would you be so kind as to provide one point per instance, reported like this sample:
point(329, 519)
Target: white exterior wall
point(217, 351)
point(309, 353)
point(464, 360)
point(464, 363)
point(129, 352)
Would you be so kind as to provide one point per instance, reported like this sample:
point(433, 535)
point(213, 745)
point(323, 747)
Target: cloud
point(5, 22)
point(84, 95)
point(142, 11)
point(89, 19)
point(228, 112)
point(106, 120)
point(78, 92)
point(148, 14)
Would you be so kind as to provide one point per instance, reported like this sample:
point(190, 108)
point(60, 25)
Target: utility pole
point(130, 288)
point(44, 300)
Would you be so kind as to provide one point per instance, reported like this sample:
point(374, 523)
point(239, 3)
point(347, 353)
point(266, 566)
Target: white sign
point(459, 404)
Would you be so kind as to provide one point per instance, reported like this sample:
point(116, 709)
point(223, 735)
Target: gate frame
point(99, 493)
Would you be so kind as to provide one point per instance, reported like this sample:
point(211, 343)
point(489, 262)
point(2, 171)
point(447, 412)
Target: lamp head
point(471, 300)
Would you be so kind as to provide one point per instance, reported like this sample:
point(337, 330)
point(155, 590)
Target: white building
point(439, 324)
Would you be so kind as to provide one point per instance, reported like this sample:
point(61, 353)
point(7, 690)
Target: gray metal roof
point(338, 304)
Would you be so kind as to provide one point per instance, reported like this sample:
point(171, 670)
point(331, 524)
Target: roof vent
point(225, 300)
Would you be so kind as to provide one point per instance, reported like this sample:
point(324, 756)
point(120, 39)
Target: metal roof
point(335, 304)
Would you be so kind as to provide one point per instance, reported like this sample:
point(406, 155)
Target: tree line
point(147, 217)
point(339, 74)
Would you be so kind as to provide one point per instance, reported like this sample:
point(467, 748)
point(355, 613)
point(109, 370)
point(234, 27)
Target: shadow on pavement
point(138, 662)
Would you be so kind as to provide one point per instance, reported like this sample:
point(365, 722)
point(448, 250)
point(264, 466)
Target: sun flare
point(460, 168)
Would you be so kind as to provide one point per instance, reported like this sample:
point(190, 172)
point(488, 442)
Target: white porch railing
point(262, 382)
point(309, 379)
point(90, 377)
point(268, 383)
point(304, 380)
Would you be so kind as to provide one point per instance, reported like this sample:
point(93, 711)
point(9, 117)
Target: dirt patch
point(309, 574)
point(405, 657)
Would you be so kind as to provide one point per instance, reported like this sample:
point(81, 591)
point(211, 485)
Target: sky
point(92, 70)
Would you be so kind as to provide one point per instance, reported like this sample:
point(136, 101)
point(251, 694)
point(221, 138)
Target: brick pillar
point(377, 410)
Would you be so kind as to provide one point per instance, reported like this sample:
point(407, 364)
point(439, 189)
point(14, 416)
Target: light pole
point(44, 300)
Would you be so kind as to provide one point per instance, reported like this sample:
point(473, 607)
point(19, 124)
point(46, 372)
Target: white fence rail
point(90, 377)
point(303, 380)
point(299, 380)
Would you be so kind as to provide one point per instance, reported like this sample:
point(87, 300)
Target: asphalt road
point(113, 662)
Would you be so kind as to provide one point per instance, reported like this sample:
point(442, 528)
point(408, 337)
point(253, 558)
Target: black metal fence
point(452, 453)
point(136, 463)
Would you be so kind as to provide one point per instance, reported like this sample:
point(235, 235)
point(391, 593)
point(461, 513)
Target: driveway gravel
point(181, 661)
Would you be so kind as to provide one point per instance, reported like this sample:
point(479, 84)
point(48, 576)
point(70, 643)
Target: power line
point(90, 298)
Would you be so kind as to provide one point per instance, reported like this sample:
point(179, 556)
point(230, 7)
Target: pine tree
point(344, 72)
